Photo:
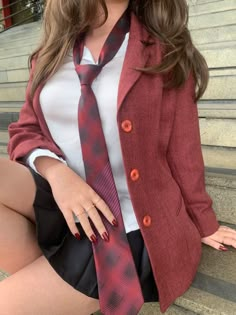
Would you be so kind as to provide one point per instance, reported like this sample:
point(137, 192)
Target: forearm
point(48, 166)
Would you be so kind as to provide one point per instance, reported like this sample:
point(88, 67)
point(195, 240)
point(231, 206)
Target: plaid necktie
point(118, 283)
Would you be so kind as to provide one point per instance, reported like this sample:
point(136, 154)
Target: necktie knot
point(87, 73)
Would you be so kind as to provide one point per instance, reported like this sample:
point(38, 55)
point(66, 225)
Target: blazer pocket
point(179, 205)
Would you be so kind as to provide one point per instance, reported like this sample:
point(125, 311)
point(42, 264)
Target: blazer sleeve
point(26, 134)
point(185, 159)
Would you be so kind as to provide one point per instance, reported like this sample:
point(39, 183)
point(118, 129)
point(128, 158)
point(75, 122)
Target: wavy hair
point(166, 20)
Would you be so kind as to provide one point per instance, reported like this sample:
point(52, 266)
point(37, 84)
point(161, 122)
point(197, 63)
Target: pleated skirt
point(73, 259)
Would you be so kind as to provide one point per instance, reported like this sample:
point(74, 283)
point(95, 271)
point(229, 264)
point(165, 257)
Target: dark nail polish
point(114, 222)
point(105, 236)
point(223, 248)
point(77, 236)
point(93, 238)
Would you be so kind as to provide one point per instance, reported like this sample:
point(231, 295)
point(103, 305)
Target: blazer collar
point(137, 55)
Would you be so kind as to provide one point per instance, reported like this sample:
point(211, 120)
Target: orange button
point(147, 220)
point(134, 174)
point(126, 125)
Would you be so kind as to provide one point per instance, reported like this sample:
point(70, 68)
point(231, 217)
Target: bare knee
point(51, 295)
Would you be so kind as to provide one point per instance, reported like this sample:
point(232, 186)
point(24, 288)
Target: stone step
point(213, 19)
point(217, 58)
point(154, 309)
point(219, 88)
point(210, 129)
point(4, 137)
point(200, 2)
point(224, 57)
point(14, 63)
point(21, 32)
point(7, 118)
point(206, 109)
point(219, 157)
point(218, 35)
point(214, 109)
point(15, 92)
point(212, 118)
point(25, 38)
point(12, 92)
point(221, 63)
point(4, 156)
point(23, 27)
point(204, 303)
point(200, 8)
point(217, 273)
point(10, 107)
point(216, 157)
point(221, 187)
point(13, 52)
point(20, 42)
point(3, 149)
point(14, 75)
point(211, 132)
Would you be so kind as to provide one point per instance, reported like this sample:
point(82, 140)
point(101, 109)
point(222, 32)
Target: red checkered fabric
point(118, 283)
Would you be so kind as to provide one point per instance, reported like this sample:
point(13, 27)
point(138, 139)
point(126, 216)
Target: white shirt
point(59, 101)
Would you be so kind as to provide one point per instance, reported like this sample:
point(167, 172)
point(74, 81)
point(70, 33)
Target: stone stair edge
point(204, 48)
point(204, 303)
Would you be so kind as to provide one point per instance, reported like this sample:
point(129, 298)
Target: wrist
point(49, 167)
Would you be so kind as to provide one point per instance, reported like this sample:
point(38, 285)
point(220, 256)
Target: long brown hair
point(164, 19)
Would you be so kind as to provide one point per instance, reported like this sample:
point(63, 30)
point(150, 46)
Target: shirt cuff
point(41, 152)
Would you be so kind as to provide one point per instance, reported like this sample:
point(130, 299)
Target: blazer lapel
point(137, 55)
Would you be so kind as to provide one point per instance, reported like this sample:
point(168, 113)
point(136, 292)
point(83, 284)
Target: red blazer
point(161, 148)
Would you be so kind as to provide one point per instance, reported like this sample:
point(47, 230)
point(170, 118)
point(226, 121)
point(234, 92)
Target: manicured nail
point(77, 236)
point(114, 222)
point(105, 236)
point(223, 248)
point(93, 238)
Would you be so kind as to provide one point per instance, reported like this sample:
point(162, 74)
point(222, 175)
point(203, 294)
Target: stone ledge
point(204, 303)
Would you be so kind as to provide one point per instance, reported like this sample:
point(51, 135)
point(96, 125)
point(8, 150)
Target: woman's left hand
point(224, 235)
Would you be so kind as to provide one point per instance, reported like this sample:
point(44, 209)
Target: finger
point(68, 215)
point(214, 244)
point(103, 207)
point(228, 229)
point(229, 241)
point(95, 217)
point(224, 236)
point(84, 221)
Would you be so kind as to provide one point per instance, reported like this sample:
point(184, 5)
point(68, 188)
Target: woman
point(145, 93)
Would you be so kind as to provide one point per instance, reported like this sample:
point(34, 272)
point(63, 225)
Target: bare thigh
point(18, 244)
point(17, 188)
point(39, 290)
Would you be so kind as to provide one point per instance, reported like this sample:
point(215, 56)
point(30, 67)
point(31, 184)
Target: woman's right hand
point(73, 194)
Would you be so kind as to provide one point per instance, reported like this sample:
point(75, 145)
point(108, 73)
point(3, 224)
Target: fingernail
point(114, 222)
point(105, 236)
point(223, 248)
point(93, 238)
point(77, 236)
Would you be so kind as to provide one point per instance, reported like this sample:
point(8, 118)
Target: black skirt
point(73, 259)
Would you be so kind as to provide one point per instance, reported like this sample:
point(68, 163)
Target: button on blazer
point(161, 149)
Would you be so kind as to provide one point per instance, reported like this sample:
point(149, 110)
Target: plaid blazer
point(161, 148)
